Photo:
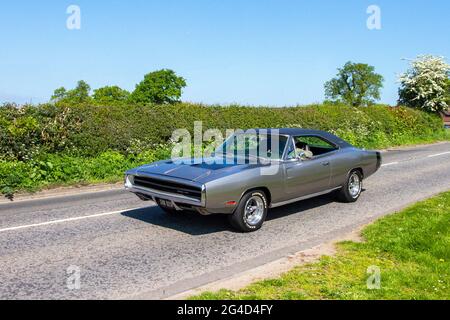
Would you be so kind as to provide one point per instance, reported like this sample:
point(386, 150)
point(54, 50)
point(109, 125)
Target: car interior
point(311, 146)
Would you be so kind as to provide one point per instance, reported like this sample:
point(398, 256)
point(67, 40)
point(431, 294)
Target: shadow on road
point(195, 224)
point(188, 222)
point(299, 207)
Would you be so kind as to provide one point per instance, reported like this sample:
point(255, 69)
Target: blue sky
point(256, 52)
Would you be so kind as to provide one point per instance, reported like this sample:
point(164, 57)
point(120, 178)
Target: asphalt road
point(125, 248)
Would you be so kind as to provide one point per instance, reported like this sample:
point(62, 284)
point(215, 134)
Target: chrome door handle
point(327, 163)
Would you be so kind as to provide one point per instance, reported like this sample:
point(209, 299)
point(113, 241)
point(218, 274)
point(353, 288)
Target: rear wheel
point(251, 213)
point(351, 190)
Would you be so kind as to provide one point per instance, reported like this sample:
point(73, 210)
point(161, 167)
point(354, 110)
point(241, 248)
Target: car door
point(307, 176)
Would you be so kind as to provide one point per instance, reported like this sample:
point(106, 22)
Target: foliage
point(88, 130)
point(110, 95)
point(356, 84)
point(48, 170)
point(29, 130)
point(81, 94)
point(411, 248)
point(83, 134)
point(426, 84)
point(447, 95)
point(159, 87)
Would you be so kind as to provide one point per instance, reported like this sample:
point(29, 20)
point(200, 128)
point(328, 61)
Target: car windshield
point(266, 146)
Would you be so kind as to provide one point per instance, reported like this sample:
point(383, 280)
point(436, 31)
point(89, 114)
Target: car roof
point(305, 132)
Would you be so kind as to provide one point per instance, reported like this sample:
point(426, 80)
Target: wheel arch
point(360, 169)
point(264, 189)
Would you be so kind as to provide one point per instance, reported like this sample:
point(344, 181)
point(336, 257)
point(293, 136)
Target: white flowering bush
point(426, 84)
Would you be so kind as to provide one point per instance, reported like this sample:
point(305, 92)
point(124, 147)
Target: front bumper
point(150, 193)
point(157, 194)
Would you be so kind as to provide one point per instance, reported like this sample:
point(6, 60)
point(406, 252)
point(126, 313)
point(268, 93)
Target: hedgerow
point(51, 144)
point(50, 170)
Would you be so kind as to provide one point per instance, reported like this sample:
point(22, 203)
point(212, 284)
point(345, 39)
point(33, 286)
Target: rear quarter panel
point(352, 158)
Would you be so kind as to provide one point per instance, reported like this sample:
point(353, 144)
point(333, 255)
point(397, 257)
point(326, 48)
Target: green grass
point(411, 248)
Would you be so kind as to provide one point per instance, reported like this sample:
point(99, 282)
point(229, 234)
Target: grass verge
point(410, 248)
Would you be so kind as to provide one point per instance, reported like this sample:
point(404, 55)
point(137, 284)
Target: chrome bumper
point(152, 193)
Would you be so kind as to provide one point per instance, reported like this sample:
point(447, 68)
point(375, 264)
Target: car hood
point(202, 172)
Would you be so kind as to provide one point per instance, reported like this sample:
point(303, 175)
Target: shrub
point(87, 131)
point(425, 84)
point(58, 169)
point(64, 144)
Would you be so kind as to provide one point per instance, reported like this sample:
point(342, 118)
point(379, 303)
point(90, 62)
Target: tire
point(251, 212)
point(351, 190)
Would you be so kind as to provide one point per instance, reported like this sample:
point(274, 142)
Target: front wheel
point(251, 213)
point(352, 188)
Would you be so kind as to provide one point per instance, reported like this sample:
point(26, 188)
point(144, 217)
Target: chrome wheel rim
point(254, 211)
point(354, 185)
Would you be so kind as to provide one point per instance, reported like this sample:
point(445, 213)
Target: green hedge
point(61, 169)
point(91, 130)
point(61, 144)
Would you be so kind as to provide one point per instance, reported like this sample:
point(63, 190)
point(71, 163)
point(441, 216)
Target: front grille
point(169, 186)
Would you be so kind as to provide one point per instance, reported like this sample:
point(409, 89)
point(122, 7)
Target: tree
point(159, 87)
point(448, 93)
point(110, 95)
point(78, 95)
point(425, 85)
point(59, 94)
point(356, 84)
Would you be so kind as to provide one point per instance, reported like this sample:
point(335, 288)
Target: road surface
point(124, 248)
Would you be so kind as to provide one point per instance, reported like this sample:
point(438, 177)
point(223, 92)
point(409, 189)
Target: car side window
point(291, 152)
point(311, 146)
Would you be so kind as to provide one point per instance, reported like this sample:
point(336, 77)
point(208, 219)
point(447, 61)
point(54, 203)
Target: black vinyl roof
point(308, 132)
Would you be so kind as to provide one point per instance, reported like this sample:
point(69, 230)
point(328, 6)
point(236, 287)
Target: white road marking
point(438, 154)
point(66, 220)
point(39, 197)
point(429, 156)
point(390, 164)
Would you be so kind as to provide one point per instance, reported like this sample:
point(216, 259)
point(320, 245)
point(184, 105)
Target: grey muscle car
point(298, 164)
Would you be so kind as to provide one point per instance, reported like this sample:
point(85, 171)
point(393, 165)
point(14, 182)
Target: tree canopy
point(356, 84)
point(426, 85)
point(159, 87)
point(80, 94)
point(110, 95)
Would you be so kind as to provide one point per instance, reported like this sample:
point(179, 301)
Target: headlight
point(129, 180)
